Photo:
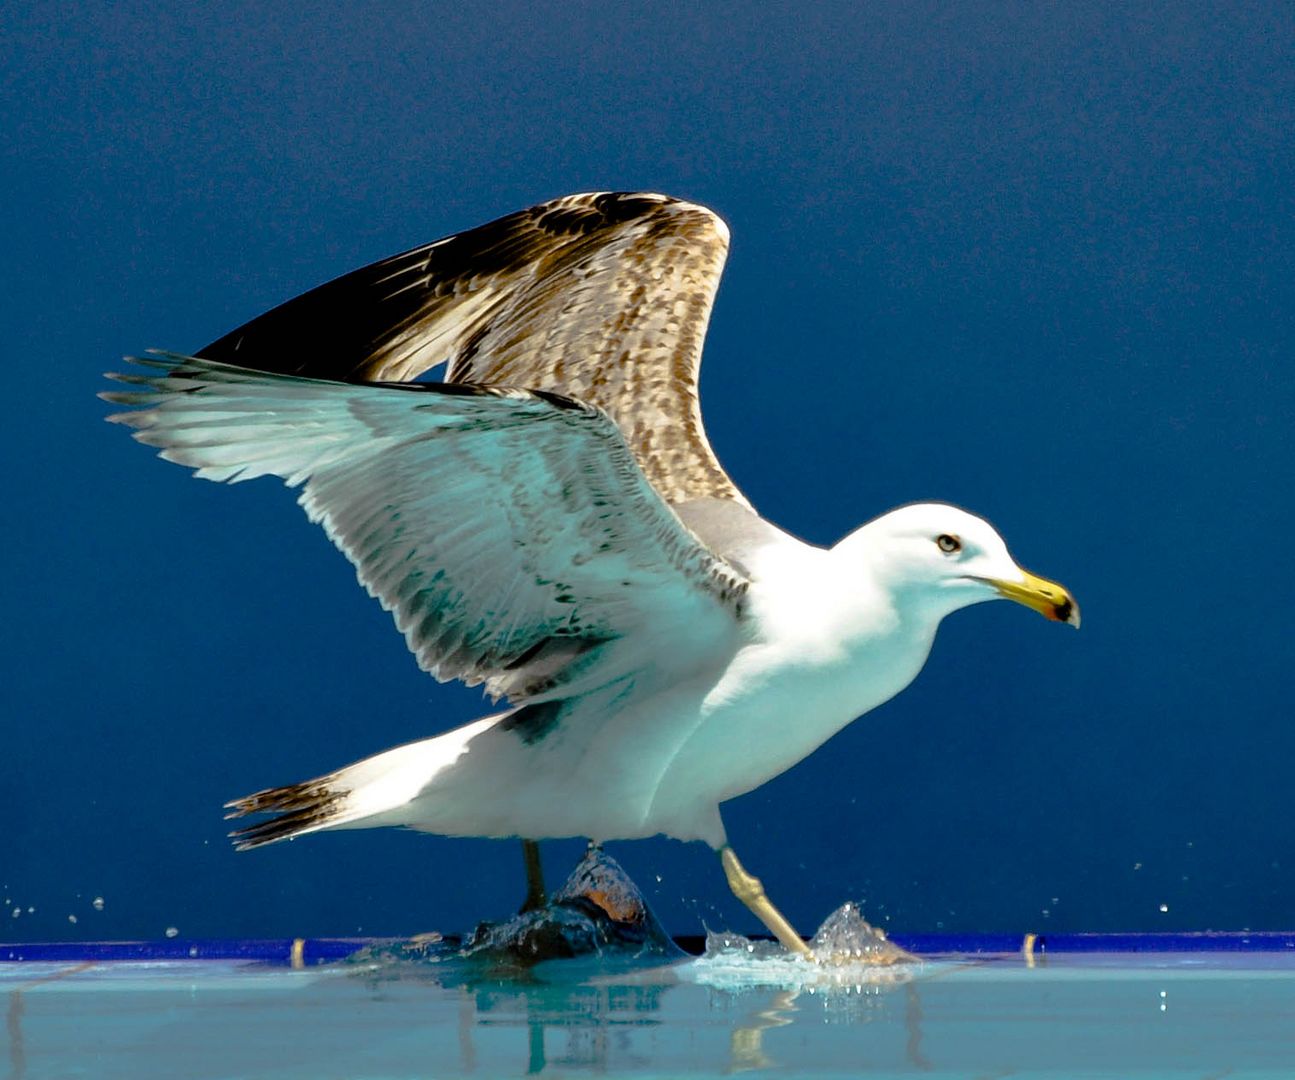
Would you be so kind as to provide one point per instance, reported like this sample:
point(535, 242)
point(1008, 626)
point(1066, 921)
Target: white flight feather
point(487, 523)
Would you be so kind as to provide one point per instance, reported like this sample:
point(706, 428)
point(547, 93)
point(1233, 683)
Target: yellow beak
point(1046, 597)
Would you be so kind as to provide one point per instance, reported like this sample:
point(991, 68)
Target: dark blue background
point(1036, 260)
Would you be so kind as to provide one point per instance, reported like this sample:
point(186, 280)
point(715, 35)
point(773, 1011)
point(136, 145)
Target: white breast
point(827, 646)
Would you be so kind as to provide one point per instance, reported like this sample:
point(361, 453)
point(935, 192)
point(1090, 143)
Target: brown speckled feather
point(603, 297)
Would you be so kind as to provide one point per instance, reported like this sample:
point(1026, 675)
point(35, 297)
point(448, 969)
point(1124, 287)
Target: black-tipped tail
point(307, 806)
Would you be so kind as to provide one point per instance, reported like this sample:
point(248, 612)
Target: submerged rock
point(598, 911)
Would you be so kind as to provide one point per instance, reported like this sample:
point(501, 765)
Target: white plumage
point(552, 523)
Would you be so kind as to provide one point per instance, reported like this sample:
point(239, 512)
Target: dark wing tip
point(363, 326)
point(308, 805)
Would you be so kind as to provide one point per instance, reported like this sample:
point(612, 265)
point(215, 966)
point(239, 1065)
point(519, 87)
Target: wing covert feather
point(511, 534)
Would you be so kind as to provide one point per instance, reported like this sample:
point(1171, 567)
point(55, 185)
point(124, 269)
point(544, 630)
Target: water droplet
point(171, 931)
point(16, 912)
point(1164, 908)
point(72, 919)
point(97, 903)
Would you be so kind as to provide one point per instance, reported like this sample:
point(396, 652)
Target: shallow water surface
point(1095, 1015)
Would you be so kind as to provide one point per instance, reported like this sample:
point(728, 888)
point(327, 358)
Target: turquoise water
point(1096, 1015)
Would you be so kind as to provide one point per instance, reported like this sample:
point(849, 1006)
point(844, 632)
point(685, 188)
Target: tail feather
point(380, 790)
point(308, 806)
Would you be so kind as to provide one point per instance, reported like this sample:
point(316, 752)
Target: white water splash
point(848, 953)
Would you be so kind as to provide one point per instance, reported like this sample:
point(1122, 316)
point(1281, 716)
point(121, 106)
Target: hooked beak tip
point(1067, 612)
point(1049, 599)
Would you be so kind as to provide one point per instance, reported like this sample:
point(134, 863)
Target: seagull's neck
point(828, 641)
point(839, 611)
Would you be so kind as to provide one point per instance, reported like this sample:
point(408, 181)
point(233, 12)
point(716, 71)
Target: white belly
point(664, 764)
point(661, 760)
point(746, 739)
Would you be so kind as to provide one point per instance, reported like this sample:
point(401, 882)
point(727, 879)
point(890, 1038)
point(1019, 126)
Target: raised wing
point(603, 297)
point(510, 532)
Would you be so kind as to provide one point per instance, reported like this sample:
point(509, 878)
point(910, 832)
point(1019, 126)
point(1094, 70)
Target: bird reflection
point(611, 1016)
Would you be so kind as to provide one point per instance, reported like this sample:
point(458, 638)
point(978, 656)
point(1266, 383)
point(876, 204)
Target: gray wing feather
point(511, 534)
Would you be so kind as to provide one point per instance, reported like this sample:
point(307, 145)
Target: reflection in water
point(988, 1017)
point(570, 1026)
point(606, 1014)
point(589, 1027)
point(467, 1050)
point(913, 1027)
point(746, 1044)
point(597, 1007)
point(851, 1005)
point(17, 1055)
point(14, 1015)
point(537, 1061)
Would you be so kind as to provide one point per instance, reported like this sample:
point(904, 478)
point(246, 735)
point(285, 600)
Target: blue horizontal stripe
point(321, 950)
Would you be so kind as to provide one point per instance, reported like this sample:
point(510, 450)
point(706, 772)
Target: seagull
point(550, 522)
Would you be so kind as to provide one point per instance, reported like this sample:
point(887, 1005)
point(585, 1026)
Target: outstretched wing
point(604, 297)
point(510, 532)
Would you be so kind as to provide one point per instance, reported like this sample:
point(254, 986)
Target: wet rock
point(598, 911)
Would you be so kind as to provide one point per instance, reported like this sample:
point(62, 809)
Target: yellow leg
point(748, 889)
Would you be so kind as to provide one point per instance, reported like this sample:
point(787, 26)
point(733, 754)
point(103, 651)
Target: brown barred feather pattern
point(603, 297)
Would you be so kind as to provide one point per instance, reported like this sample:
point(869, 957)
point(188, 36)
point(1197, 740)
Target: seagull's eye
point(950, 545)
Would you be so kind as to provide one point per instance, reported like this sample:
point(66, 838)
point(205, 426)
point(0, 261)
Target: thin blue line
point(322, 950)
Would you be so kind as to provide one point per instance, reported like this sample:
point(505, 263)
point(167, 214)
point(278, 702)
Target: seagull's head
point(942, 558)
